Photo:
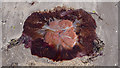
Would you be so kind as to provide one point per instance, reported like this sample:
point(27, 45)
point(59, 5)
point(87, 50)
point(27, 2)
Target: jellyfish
point(61, 34)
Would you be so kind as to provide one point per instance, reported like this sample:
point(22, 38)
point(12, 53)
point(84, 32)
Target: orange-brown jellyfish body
point(60, 34)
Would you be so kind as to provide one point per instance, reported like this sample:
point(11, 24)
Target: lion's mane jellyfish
point(61, 34)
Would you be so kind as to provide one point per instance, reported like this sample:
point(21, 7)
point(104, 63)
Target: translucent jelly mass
point(61, 34)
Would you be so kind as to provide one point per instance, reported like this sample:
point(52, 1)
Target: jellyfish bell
point(61, 34)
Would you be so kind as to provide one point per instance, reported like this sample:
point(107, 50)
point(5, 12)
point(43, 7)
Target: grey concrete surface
point(14, 15)
point(0, 34)
point(118, 34)
point(109, 25)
